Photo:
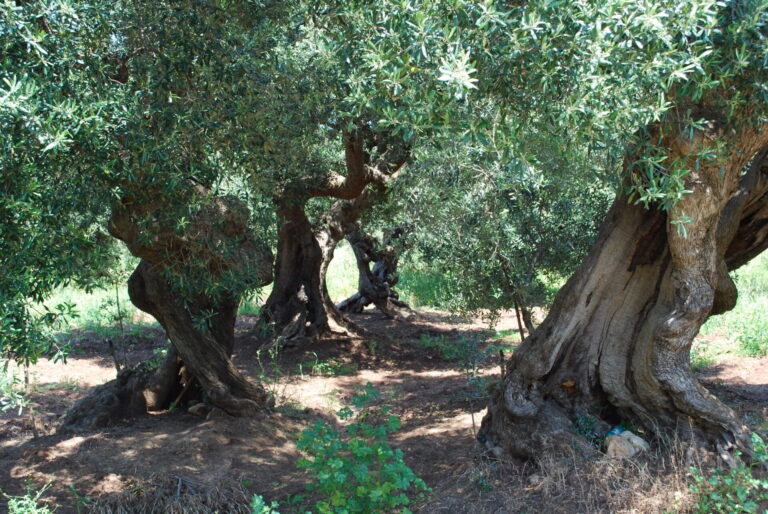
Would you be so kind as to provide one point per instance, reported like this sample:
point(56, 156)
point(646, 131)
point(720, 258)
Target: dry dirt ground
point(176, 462)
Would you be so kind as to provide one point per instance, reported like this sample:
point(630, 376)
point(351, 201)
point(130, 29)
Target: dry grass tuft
point(174, 495)
point(655, 482)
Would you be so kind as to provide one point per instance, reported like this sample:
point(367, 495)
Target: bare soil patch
point(178, 462)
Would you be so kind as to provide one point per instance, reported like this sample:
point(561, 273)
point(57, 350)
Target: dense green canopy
point(106, 104)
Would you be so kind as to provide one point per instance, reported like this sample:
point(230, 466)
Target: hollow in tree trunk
point(616, 343)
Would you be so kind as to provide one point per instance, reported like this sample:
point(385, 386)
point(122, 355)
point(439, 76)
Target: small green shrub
point(469, 353)
point(358, 471)
point(587, 426)
point(28, 503)
point(331, 367)
point(733, 490)
point(260, 506)
point(11, 389)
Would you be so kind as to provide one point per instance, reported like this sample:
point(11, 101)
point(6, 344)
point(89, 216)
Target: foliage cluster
point(11, 389)
point(50, 210)
point(358, 471)
point(501, 239)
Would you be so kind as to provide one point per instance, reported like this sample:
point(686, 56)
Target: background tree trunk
point(375, 285)
point(616, 343)
point(299, 307)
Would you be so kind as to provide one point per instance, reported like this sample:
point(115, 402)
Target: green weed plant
point(356, 470)
point(28, 503)
point(260, 506)
point(732, 490)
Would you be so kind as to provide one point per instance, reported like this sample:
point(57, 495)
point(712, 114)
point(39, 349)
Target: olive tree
point(616, 343)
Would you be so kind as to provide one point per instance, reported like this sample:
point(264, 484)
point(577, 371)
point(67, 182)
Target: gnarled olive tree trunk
point(199, 325)
point(299, 306)
point(299, 309)
point(375, 285)
point(616, 343)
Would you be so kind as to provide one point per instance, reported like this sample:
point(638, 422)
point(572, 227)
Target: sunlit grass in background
point(342, 273)
point(105, 307)
point(102, 310)
point(421, 286)
point(746, 326)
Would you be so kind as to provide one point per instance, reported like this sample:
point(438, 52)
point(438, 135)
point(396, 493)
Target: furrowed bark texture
point(616, 343)
point(199, 326)
point(375, 285)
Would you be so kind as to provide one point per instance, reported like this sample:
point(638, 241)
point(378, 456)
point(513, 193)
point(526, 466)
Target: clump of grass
point(330, 367)
point(571, 481)
point(177, 495)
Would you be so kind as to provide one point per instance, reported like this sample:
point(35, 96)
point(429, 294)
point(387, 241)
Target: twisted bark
point(199, 322)
point(616, 343)
point(376, 285)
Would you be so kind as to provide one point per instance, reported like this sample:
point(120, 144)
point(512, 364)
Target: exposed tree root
point(616, 343)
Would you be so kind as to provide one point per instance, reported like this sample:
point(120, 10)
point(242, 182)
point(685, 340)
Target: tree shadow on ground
point(177, 455)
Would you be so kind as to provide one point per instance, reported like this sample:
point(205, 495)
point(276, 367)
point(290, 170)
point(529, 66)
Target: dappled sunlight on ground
point(173, 456)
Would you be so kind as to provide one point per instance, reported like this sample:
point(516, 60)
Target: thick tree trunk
point(375, 285)
point(616, 343)
point(299, 307)
point(205, 351)
point(200, 325)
